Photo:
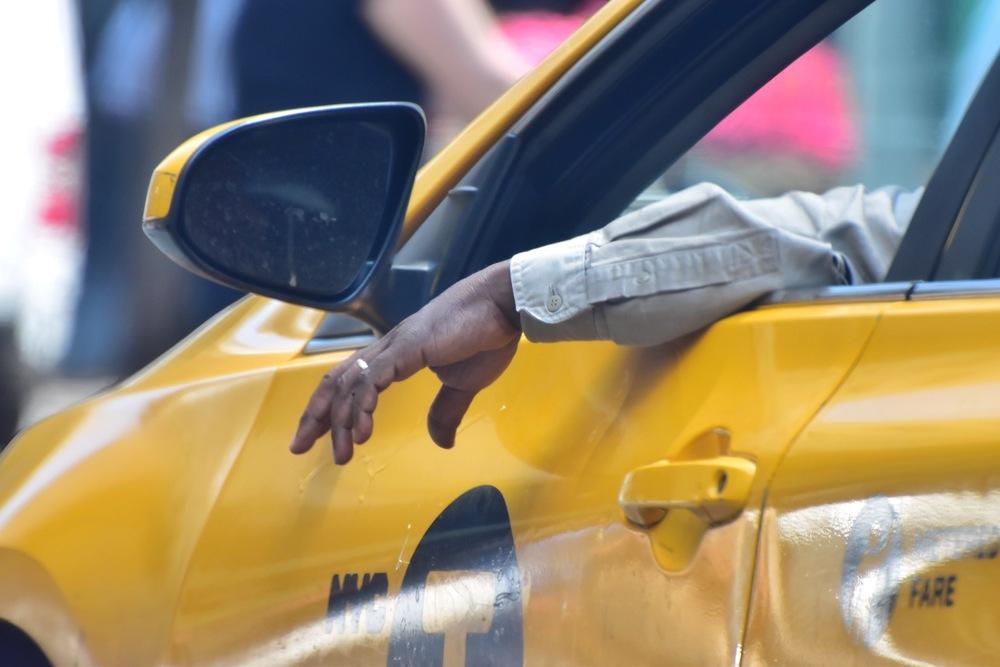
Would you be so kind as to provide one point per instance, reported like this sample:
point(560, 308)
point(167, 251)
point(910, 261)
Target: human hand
point(467, 336)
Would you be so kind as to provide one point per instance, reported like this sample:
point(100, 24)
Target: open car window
point(876, 103)
point(616, 133)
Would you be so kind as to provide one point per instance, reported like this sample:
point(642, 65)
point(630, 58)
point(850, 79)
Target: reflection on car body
point(165, 522)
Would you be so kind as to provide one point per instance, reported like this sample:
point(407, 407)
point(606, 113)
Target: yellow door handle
point(714, 489)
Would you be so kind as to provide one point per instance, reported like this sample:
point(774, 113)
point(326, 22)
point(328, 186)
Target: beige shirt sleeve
point(701, 254)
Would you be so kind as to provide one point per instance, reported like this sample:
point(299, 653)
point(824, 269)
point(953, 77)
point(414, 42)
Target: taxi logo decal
point(886, 563)
point(460, 601)
point(462, 589)
point(870, 576)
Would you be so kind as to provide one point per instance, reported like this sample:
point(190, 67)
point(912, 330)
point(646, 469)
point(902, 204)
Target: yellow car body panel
point(556, 436)
point(111, 494)
point(883, 526)
point(174, 498)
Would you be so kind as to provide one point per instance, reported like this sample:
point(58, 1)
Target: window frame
point(713, 81)
point(951, 249)
point(959, 191)
point(593, 157)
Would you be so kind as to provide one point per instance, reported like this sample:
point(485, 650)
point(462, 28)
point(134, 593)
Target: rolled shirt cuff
point(643, 295)
point(693, 258)
point(550, 292)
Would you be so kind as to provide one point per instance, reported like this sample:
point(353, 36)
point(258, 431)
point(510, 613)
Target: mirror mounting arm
point(395, 295)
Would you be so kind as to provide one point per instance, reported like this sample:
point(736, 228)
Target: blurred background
point(98, 91)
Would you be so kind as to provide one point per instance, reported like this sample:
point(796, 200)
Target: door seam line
point(777, 467)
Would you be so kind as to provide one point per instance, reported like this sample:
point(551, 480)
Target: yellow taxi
point(815, 480)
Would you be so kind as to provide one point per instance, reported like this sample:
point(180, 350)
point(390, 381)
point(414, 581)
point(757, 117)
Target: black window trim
point(957, 192)
point(961, 259)
point(972, 250)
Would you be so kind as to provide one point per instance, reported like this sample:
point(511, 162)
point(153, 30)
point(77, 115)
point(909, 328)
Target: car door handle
point(713, 489)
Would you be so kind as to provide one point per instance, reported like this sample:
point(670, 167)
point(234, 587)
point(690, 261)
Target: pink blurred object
point(59, 207)
point(805, 111)
point(535, 34)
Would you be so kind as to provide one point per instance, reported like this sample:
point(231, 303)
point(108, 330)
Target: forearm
point(454, 45)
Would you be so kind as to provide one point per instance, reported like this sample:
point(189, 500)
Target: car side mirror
point(303, 205)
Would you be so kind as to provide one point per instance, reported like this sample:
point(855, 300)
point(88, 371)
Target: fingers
point(344, 410)
point(315, 421)
point(364, 399)
point(366, 396)
point(343, 445)
point(327, 407)
point(362, 429)
point(310, 429)
point(446, 413)
point(463, 333)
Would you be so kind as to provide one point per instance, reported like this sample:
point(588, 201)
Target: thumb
point(446, 413)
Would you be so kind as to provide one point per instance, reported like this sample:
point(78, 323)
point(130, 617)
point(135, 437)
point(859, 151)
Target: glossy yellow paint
point(882, 530)
point(173, 526)
point(557, 445)
point(165, 523)
point(714, 489)
point(105, 501)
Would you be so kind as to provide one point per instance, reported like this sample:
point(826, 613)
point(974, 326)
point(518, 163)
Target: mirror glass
point(294, 206)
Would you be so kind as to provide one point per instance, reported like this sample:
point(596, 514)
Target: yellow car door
point(513, 546)
point(881, 532)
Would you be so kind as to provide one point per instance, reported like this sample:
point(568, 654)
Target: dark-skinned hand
point(467, 336)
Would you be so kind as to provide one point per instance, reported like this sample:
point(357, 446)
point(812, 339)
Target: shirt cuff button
point(554, 302)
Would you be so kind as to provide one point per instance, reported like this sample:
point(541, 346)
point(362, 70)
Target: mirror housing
point(304, 205)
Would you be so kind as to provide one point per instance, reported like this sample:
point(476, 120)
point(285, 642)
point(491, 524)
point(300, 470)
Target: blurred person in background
point(40, 239)
point(134, 302)
point(452, 57)
point(123, 66)
point(801, 124)
point(159, 70)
